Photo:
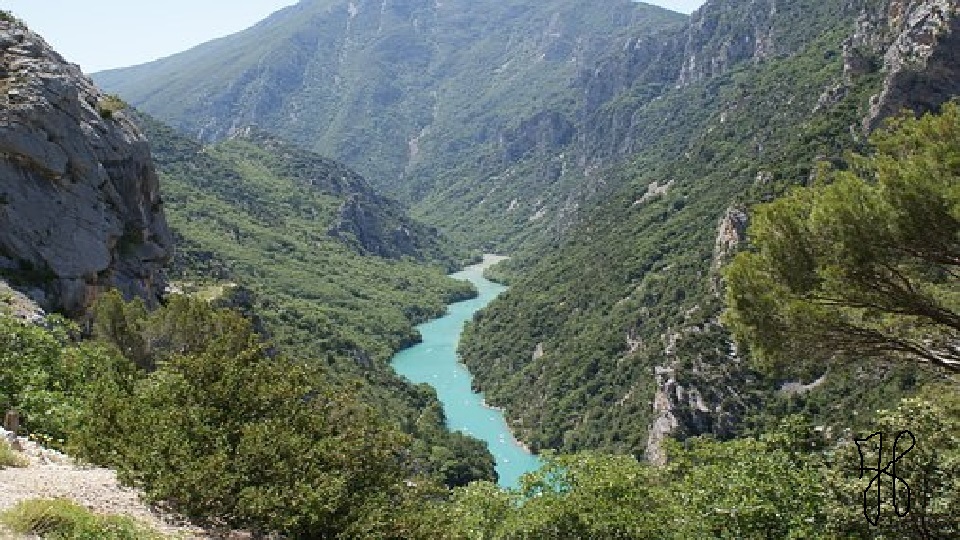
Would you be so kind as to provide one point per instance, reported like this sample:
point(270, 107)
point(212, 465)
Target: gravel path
point(54, 475)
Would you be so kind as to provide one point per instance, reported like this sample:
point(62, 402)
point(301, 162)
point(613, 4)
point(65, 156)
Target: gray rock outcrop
point(718, 38)
point(731, 233)
point(918, 43)
point(80, 206)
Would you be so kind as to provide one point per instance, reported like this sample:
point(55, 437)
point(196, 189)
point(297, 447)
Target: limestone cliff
point(723, 34)
point(80, 206)
point(917, 42)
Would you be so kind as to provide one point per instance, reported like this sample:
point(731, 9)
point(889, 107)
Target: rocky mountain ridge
point(534, 185)
point(918, 45)
point(394, 89)
point(80, 205)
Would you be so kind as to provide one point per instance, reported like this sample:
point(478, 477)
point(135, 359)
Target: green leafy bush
point(227, 433)
point(930, 470)
point(109, 105)
point(43, 371)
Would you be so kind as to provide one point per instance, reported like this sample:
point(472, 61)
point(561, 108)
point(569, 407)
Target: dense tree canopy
point(787, 483)
point(866, 265)
point(225, 432)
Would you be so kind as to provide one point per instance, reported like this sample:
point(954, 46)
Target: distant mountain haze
point(152, 30)
point(396, 90)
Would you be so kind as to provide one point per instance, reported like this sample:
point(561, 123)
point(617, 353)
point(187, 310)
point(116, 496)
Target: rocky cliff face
point(683, 406)
point(719, 37)
point(80, 206)
point(917, 42)
point(361, 224)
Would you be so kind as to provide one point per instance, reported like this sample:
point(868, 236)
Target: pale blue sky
point(103, 34)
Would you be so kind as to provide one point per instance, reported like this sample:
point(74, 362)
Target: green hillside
point(610, 337)
point(328, 268)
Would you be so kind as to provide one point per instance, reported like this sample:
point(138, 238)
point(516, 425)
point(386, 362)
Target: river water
point(435, 362)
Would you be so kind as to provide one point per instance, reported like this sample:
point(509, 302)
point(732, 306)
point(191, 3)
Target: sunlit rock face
point(917, 42)
point(80, 206)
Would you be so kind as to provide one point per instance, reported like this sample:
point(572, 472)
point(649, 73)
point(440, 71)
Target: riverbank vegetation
point(193, 406)
point(226, 433)
point(787, 483)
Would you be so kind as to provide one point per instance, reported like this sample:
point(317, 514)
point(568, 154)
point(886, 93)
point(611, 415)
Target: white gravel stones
point(52, 474)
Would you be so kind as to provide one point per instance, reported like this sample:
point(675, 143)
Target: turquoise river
point(434, 361)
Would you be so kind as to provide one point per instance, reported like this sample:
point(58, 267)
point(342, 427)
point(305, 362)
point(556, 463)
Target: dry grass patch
point(62, 519)
point(10, 457)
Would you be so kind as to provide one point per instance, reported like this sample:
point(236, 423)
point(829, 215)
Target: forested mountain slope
point(530, 188)
point(402, 91)
point(435, 102)
point(297, 226)
point(623, 172)
point(610, 338)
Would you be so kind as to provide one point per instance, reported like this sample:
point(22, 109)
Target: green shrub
point(225, 433)
point(110, 105)
point(61, 519)
point(930, 470)
point(43, 371)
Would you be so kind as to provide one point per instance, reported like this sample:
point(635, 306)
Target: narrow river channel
point(435, 362)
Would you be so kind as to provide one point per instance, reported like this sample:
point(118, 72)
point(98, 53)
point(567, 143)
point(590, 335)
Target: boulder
point(80, 205)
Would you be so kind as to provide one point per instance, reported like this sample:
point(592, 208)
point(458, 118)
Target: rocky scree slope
point(610, 338)
point(80, 206)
